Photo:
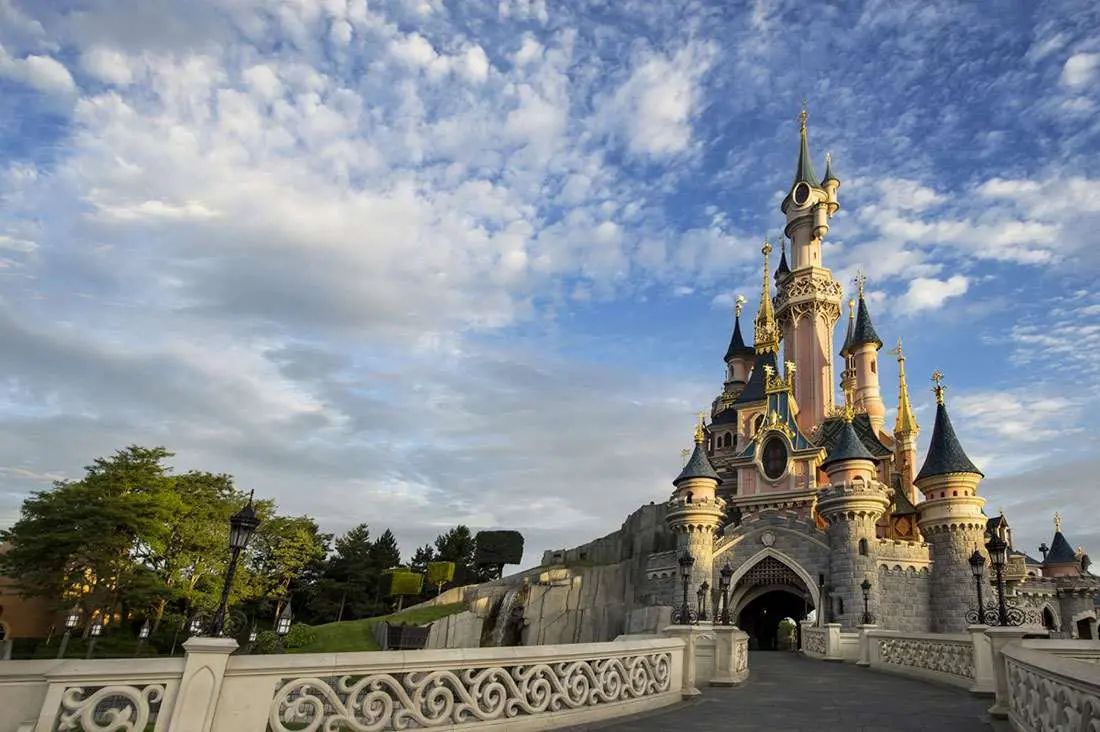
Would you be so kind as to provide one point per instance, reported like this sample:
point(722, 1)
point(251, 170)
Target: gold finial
point(738, 304)
point(898, 352)
point(684, 455)
point(768, 370)
point(789, 366)
point(906, 422)
point(851, 308)
point(849, 413)
point(938, 386)
point(803, 115)
point(1058, 522)
point(859, 279)
point(828, 159)
point(700, 429)
point(766, 250)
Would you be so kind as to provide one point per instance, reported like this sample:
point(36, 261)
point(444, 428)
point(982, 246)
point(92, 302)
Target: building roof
point(1028, 559)
point(902, 505)
point(829, 168)
point(945, 454)
point(783, 269)
point(726, 416)
point(698, 466)
point(737, 345)
point(830, 433)
point(1060, 551)
point(844, 349)
point(805, 169)
point(846, 446)
point(864, 331)
point(755, 390)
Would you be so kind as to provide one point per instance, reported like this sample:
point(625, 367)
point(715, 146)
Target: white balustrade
point(1049, 692)
point(945, 657)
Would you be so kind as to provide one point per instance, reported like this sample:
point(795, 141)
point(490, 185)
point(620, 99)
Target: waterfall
point(503, 615)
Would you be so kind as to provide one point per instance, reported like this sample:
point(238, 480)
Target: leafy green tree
point(282, 548)
point(421, 558)
point(457, 545)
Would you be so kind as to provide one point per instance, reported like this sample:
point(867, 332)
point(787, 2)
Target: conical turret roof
point(945, 454)
point(737, 345)
point(698, 466)
point(783, 269)
point(847, 347)
point(864, 331)
point(848, 446)
point(829, 168)
point(805, 169)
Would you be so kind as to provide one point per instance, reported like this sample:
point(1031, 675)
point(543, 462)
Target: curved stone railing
point(535, 687)
point(946, 657)
point(1048, 692)
point(814, 641)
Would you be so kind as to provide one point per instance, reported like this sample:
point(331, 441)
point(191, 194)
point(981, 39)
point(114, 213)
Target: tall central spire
point(766, 331)
point(805, 169)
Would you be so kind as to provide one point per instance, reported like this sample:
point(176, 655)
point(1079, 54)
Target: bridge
point(789, 692)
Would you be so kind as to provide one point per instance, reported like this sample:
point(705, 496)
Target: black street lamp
point(143, 635)
point(282, 625)
point(686, 562)
point(252, 636)
point(701, 597)
point(997, 548)
point(241, 526)
point(724, 578)
point(96, 629)
point(977, 568)
point(868, 618)
point(71, 621)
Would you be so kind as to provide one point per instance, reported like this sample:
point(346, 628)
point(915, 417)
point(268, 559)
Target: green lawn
point(356, 635)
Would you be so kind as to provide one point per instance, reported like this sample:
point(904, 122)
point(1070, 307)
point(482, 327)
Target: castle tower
point(864, 348)
point(808, 303)
point(695, 513)
point(950, 519)
point(906, 432)
point(851, 505)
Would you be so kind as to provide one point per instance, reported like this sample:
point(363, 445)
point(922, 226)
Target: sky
point(415, 263)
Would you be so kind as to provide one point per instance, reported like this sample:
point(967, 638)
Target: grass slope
point(356, 635)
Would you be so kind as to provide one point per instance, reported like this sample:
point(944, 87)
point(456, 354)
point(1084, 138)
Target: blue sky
point(414, 263)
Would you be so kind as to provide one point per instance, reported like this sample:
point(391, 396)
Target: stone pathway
point(794, 694)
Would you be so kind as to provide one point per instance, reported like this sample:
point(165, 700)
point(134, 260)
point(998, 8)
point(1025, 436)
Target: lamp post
point(701, 597)
point(282, 625)
point(71, 621)
point(194, 626)
point(724, 578)
point(252, 636)
point(686, 562)
point(143, 635)
point(996, 546)
point(96, 629)
point(977, 568)
point(868, 618)
point(241, 526)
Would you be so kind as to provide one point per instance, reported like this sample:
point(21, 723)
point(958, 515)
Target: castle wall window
point(774, 458)
point(756, 425)
point(727, 440)
point(863, 547)
point(874, 368)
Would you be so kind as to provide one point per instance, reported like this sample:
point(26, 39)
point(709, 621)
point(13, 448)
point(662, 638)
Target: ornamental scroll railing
point(815, 641)
point(952, 656)
point(532, 687)
point(1047, 692)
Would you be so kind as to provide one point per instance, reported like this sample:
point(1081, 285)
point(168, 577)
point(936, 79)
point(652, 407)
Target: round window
point(801, 193)
point(774, 458)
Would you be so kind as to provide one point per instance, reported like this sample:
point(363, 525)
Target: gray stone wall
point(904, 600)
point(848, 567)
point(952, 585)
point(1073, 603)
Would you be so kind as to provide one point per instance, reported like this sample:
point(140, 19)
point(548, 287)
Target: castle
point(802, 502)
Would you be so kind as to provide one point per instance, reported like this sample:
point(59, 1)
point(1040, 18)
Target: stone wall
point(643, 533)
point(952, 585)
point(590, 605)
point(848, 567)
point(461, 630)
point(904, 600)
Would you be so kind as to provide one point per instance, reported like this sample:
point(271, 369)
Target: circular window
point(801, 193)
point(774, 458)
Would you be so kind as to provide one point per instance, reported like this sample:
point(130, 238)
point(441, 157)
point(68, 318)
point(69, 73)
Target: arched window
point(1048, 619)
point(874, 368)
point(840, 606)
point(863, 547)
point(774, 458)
point(689, 496)
point(727, 441)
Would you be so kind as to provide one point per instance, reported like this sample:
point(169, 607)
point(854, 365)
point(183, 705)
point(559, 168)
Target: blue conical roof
point(1060, 551)
point(805, 169)
point(945, 454)
point(737, 345)
point(698, 466)
point(848, 446)
point(864, 331)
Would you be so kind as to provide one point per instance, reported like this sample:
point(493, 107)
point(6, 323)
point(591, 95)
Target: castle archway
point(766, 589)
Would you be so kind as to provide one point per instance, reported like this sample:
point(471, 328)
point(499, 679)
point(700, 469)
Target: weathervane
point(859, 279)
point(938, 386)
point(739, 303)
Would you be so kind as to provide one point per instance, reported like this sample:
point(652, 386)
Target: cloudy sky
point(422, 262)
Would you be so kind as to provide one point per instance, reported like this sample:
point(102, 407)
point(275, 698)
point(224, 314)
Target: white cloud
point(909, 195)
point(930, 294)
point(44, 73)
point(107, 65)
point(1080, 69)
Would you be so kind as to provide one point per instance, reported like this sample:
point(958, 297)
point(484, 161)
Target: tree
point(283, 547)
point(343, 588)
point(421, 558)
point(457, 545)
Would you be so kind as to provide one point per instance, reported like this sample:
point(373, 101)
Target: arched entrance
point(769, 591)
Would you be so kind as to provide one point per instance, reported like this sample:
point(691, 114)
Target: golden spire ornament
point(766, 333)
point(700, 429)
point(1057, 522)
point(938, 387)
point(906, 422)
point(859, 279)
point(739, 304)
point(803, 115)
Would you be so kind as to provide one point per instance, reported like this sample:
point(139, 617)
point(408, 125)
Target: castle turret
point(695, 513)
point(848, 375)
point(864, 348)
point(851, 505)
point(906, 431)
point(951, 519)
point(808, 301)
point(830, 184)
point(739, 356)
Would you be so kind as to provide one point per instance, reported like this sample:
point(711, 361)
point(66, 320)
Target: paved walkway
point(794, 694)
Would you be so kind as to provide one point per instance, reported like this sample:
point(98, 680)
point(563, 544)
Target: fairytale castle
point(805, 500)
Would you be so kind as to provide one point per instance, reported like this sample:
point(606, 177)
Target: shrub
point(299, 635)
point(267, 641)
